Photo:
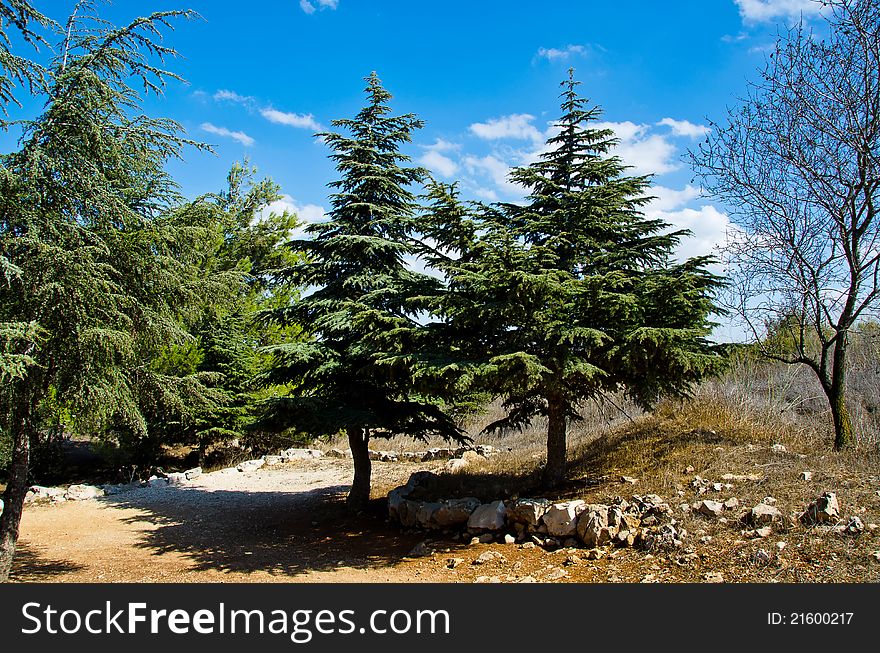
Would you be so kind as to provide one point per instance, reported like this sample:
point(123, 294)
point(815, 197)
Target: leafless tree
point(797, 166)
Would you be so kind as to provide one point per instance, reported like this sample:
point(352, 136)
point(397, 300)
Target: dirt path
point(272, 525)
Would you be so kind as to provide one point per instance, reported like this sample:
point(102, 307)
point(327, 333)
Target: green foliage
point(572, 295)
point(102, 269)
point(353, 373)
point(16, 70)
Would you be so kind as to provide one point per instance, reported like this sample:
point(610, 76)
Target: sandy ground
point(289, 524)
point(281, 524)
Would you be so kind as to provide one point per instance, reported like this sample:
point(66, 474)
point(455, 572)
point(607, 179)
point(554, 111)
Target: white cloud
point(645, 153)
point(241, 137)
point(555, 54)
point(625, 131)
point(300, 120)
point(437, 162)
point(225, 95)
point(765, 10)
point(486, 194)
point(684, 128)
point(496, 170)
point(310, 8)
point(669, 199)
point(307, 213)
point(517, 126)
point(708, 225)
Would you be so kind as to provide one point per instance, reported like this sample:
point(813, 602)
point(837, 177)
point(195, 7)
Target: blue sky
point(264, 76)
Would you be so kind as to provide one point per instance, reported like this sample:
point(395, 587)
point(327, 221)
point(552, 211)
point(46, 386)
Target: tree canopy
point(573, 294)
point(359, 312)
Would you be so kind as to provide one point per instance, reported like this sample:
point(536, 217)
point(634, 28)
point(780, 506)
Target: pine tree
point(103, 272)
point(572, 295)
point(359, 315)
point(17, 339)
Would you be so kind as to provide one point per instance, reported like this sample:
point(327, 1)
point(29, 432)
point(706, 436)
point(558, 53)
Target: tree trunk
point(836, 391)
point(554, 470)
point(359, 494)
point(16, 489)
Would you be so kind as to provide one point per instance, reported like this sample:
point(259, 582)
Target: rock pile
point(644, 521)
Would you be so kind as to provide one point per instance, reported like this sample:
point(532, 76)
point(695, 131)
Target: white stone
point(557, 574)
point(710, 508)
point(561, 518)
point(455, 465)
point(825, 509)
point(193, 473)
point(251, 465)
point(528, 511)
point(176, 479)
point(763, 514)
point(806, 476)
point(488, 556)
point(454, 512)
point(425, 514)
point(488, 517)
point(593, 526)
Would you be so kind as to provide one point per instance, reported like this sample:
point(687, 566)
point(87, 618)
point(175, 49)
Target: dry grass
point(727, 428)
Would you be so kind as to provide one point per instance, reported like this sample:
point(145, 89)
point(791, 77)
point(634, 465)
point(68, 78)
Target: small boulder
point(593, 527)
point(854, 526)
point(192, 474)
point(823, 510)
point(731, 504)
point(176, 479)
point(488, 517)
point(527, 511)
point(251, 465)
point(487, 557)
point(806, 476)
point(763, 514)
point(420, 550)
point(83, 492)
point(455, 465)
point(455, 512)
point(561, 518)
point(710, 508)
point(425, 514)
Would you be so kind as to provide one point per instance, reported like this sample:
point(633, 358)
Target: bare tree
point(797, 166)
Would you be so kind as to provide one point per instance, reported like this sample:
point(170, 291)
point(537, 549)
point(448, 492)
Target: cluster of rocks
point(465, 453)
point(83, 492)
point(643, 521)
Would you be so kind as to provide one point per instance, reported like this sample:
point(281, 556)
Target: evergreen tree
point(102, 270)
point(572, 295)
point(250, 241)
point(17, 339)
point(360, 314)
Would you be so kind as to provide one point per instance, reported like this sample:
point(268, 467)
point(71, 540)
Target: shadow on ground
point(282, 533)
point(30, 566)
